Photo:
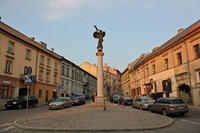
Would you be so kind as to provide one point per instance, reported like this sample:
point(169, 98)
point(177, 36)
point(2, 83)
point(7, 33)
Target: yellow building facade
point(17, 53)
point(125, 82)
point(171, 70)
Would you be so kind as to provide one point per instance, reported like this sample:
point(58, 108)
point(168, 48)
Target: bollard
point(104, 103)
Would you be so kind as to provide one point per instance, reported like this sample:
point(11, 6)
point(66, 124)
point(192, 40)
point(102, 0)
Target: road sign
point(29, 70)
point(28, 79)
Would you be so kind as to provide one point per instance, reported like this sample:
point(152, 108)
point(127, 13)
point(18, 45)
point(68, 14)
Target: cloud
point(58, 9)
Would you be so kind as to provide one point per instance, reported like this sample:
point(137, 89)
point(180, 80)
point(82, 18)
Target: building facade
point(125, 82)
point(17, 53)
point(171, 70)
point(76, 81)
point(112, 80)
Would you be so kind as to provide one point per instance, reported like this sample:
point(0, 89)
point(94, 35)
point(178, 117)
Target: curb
point(22, 127)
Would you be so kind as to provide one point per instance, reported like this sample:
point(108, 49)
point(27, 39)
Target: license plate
point(180, 107)
point(8, 105)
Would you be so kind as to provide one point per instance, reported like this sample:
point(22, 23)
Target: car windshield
point(176, 101)
point(127, 98)
point(59, 100)
point(75, 98)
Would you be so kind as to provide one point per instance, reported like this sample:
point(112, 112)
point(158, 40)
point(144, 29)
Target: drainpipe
point(188, 65)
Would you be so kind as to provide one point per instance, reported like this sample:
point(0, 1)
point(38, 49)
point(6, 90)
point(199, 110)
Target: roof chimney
point(33, 38)
point(43, 44)
point(180, 30)
point(52, 49)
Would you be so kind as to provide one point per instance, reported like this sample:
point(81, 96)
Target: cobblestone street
point(115, 119)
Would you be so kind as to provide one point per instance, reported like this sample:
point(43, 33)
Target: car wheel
point(150, 109)
point(182, 114)
point(141, 107)
point(164, 112)
point(19, 106)
point(34, 105)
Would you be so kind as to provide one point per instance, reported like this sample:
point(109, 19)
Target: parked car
point(126, 100)
point(60, 103)
point(143, 102)
point(78, 100)
point(21, 102)
point(168, 106)
point(88, 96)
point(115, 98)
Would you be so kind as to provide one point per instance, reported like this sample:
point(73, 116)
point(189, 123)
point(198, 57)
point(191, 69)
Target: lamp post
point(99, 34)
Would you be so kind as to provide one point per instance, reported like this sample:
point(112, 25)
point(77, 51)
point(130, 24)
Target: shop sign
point(6, 82)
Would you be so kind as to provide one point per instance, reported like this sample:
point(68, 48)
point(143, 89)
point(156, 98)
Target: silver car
point(168, 106)
point(142, 102)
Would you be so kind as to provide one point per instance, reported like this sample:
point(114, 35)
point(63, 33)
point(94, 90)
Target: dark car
point(115, 98)
point(168, 106)
point(88, 96)
point(78, 100)
point(21, 102)
point(125, 100)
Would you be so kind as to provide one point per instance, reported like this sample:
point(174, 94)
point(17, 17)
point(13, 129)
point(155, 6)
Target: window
point(154, 68)
point(198, 76)
point(197, 51)
point(47, 76)
point(67, 71)
point(40, 75)
point(179, 57)
point(166, 64)
point(40, 94)
point(28, 54)
point(48, 62)
point(63, 70)
point(8, 66)
point(10, 47)
point(55, 78)
point(147, 71)
point(56, 66)
point(138, 75)
point(42, 59)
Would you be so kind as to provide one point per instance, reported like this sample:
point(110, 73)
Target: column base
point(99, 99)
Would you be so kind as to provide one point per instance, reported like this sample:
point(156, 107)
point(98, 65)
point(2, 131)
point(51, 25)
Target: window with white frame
point(8, 66)
point(28, 54)
point(10, 47)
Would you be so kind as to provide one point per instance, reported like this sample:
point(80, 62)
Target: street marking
point(191, 122)
point(6, 129)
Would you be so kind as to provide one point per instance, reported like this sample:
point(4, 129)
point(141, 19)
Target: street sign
point(29, 70)
point(28, 79)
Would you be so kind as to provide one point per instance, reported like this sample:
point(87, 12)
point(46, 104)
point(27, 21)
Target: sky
point(132, 27)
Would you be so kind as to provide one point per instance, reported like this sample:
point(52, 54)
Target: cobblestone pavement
point(95, 118)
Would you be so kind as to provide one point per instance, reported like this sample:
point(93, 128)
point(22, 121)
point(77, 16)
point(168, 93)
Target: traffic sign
point(29, 70)
point(28, 79)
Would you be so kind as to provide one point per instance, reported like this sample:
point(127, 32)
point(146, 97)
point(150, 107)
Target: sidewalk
point(192, 107)
point(95, 119)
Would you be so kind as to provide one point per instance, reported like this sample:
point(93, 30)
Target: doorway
point(185, 93)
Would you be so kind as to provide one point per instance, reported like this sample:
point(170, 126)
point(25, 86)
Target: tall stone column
point(99, 34)
point(100, 84)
